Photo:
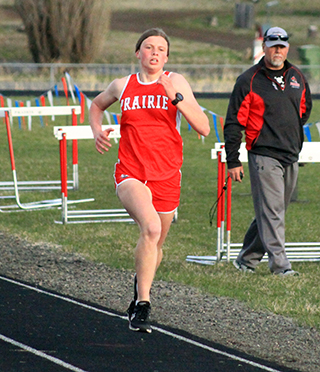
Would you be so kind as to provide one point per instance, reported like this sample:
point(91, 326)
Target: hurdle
point(296, 251)
point(40, 111)
point(9, 113)
point(83, 216)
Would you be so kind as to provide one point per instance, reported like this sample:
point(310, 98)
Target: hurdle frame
point(83, 216)
point(296, 251)
point(40, 111)
point(8, 114)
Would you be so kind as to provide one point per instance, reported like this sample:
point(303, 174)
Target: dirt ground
point(219, 319)
point(139, 22)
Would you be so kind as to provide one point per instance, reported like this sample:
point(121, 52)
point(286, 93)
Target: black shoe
point(139, 317)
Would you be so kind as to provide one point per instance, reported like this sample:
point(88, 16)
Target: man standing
point(271, 102)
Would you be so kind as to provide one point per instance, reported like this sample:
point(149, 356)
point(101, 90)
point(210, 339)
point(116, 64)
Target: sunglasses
point(276, 37)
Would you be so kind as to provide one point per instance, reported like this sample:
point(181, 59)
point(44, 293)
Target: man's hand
point(236, 174)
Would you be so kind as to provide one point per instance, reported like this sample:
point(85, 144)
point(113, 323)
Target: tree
point(69, 31)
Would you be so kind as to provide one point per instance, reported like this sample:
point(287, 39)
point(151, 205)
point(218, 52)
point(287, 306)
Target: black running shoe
point(139, 319)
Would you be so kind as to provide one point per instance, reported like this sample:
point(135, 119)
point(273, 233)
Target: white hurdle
point(296, 251)
point(8, 113)
point(83, 216)
point(41, 111)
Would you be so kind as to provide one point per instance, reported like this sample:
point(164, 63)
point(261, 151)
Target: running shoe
point(139, 319)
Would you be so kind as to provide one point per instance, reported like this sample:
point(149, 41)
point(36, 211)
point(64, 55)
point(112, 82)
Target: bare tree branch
point(65, 30)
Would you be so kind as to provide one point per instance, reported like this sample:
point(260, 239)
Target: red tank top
point(150, 146)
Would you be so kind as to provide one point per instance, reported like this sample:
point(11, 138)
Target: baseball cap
point(276, 36)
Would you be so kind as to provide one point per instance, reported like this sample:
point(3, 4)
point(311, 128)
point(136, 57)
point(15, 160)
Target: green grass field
point(294, 15)
point(37, 158)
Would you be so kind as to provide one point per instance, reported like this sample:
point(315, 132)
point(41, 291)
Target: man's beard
point(276, 62)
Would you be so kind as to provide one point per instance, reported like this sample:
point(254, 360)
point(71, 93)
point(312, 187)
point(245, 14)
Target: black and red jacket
point(271, 116)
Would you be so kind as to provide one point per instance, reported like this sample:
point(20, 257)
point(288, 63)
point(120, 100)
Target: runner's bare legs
point(137, 200)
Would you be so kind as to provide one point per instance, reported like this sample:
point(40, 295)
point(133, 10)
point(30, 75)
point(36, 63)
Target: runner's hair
point(153, 32)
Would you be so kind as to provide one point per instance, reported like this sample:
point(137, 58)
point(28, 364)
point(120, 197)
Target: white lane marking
point(41, 354)
point(178, 337)
point(216, 351)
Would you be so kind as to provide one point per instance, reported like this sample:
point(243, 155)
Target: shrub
point(64, 31)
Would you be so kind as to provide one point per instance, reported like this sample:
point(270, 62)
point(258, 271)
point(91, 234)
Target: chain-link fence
point(96, 77)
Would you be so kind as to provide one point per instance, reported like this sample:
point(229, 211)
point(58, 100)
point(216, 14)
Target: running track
point(42, 331)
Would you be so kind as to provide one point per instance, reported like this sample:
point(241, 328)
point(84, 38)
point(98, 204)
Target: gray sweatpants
point(272, 186)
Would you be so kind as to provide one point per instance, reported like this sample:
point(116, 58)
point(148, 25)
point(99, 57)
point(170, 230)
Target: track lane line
point(41, 354)
point(216, 351)
point(168, 333)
